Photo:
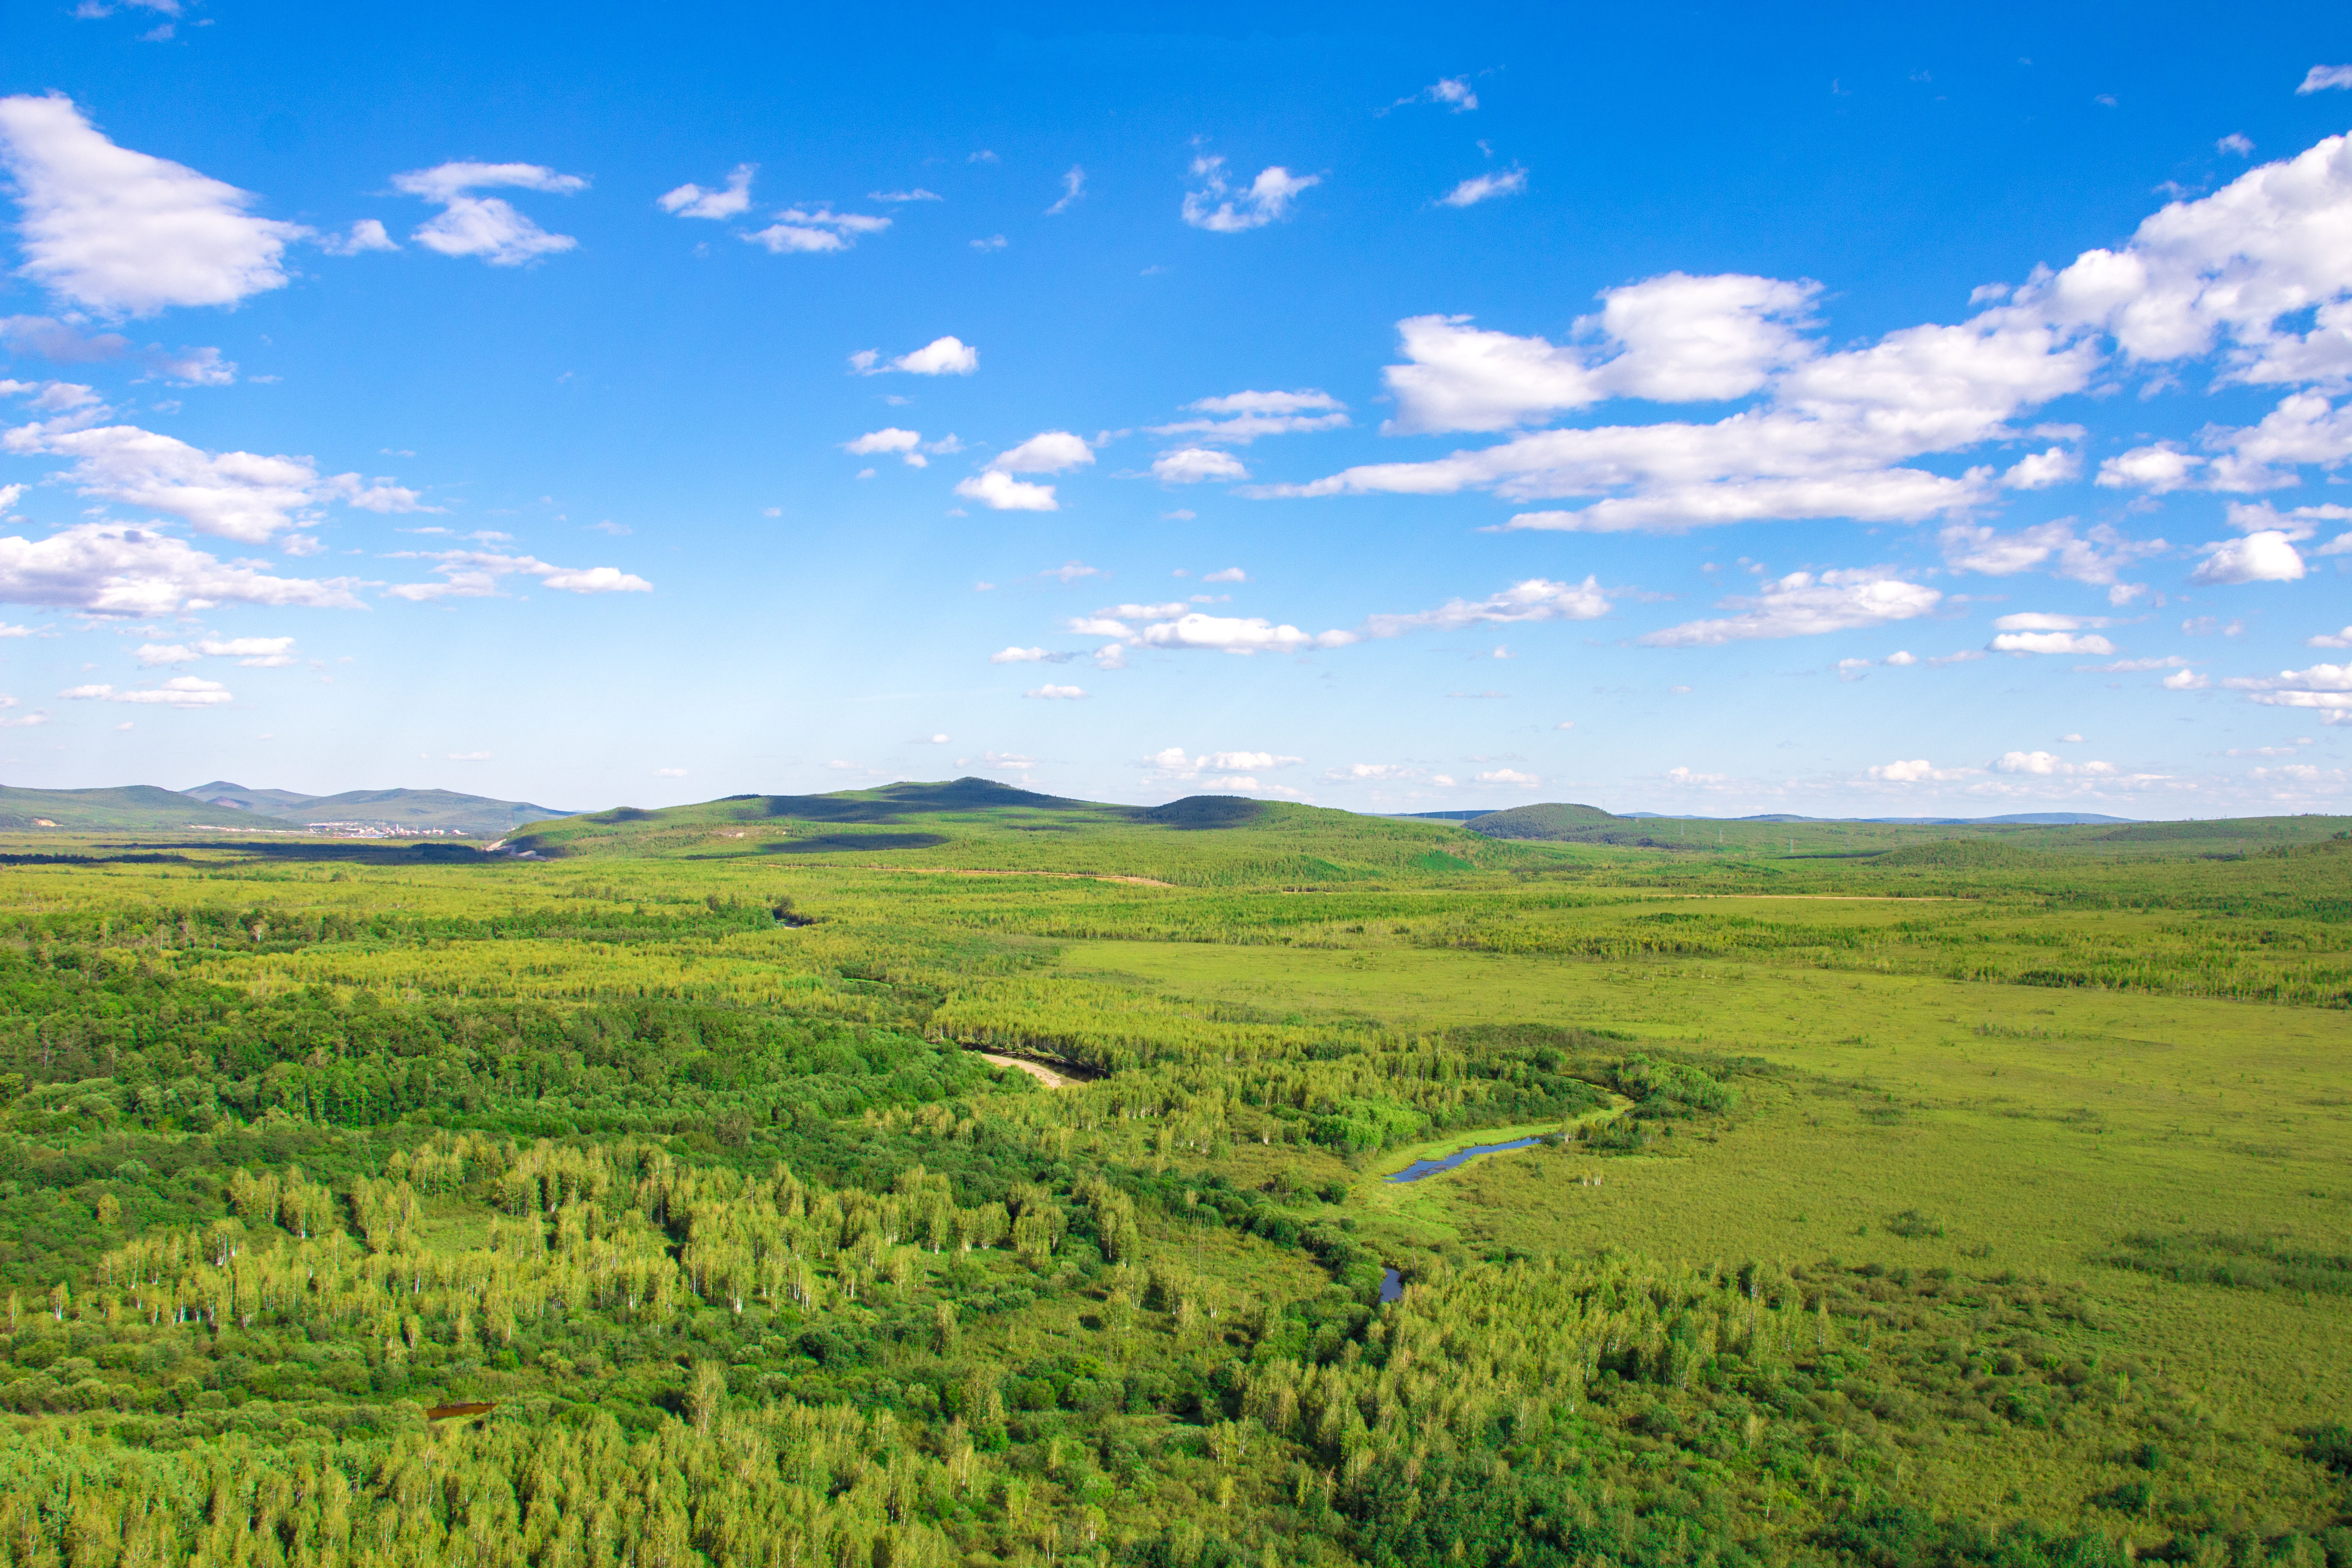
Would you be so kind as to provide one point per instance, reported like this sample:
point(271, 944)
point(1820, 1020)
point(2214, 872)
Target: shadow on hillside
point(823, 842)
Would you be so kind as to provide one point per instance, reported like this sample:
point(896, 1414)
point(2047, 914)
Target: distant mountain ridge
point(416, 810)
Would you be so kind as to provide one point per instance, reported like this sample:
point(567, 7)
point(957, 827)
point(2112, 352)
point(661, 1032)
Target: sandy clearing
point(1044, 1075)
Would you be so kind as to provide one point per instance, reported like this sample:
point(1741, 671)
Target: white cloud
point(1058, 693)
point(125, 234)
point(1671, 338)
point(2186, 680)
point(917, 194)
point(61, 342)
point(2047, 765)
point(1047, 452)
point(1486, 188)
point(1173, 763)
point(1372, 772)
point(725, 202)
point(1804, 605)
point(109, 569)
point(2052, 642)
point(469, 756)
point(1000, 491)
point(1240, 417)
point(2133, 665)
point(2325, 688)
point(2096, 558)
point(1069, 572)
point(180, 692)
point(940, 356)
point(1074, 186)
point(1230, 574)
point(2319, 78)
point(1191, 465)
point(990, 242)
point(487, 227)
point(2236, 141)
point(2039, 621)
point(254, 653)
point(2257, 272)
point(242, 495)
point(907, 444)
point(798, 230)
point(475, 573)
point(1029, 656)
point(1230, 634)
point(1509, 776)
point(153, 654)
point(1218, 208)
point(1536, 599)
point(1919, 771)
point(366, 234)
point(190, 368)
point(1453, 90)
point(2264, 556)
point(2331, 639)
point(2040, 470)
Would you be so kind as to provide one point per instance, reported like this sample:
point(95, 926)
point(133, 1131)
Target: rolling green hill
point(134, 807)
point(412, 808)
point(1558, 821)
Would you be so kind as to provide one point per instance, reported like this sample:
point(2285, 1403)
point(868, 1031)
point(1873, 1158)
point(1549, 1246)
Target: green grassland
point(1906, 1195)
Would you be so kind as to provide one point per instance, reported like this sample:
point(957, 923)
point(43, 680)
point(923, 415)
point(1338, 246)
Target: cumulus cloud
point(2046, 764)
point(476, 573)
point(2324, 689)
point(1178, 627)
point(2051, 642)
point(1000, 491)
point(1191, 464)
point(1536, 599)
point(108, 570)
point(2186, 680)
point(1372, 773)
point(1486, 188)
point(180, 692)
point(1220, 770)
point(1804, 604)
point(2319, 78)
point(2331, 639)
point(125, 234)
point(1453, 91)
point(487, 227)
point(2256, 273)
point(1047, 452)
point(798, 230)
point(1229, 574)
point(1240, 417)
point(2267, 555)
point(725, 201)
point(906, 444)
point(1510, 777)
point(940, 356)
point(1918, 770)
point(2099, 556)
point(1017, 655)
point(367, 234)
point(243, 496)
point(1219, 208)
point(1058, 693)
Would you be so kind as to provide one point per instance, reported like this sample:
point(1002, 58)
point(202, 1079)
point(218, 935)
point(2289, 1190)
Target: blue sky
point(1683, 411)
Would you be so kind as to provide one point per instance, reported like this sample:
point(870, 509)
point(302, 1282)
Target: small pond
point(1421, 1168)
point(1392, 1284)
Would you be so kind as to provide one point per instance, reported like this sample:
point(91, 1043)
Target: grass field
point(1907, 1195)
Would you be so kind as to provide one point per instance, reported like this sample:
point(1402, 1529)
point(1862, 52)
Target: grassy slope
point(134, 808)
point(2038, 1124)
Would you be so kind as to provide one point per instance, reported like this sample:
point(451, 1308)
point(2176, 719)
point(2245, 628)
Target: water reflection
point(1421, 1168)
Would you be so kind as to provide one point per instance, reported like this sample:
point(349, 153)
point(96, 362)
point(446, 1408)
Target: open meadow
point(641, 1192)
